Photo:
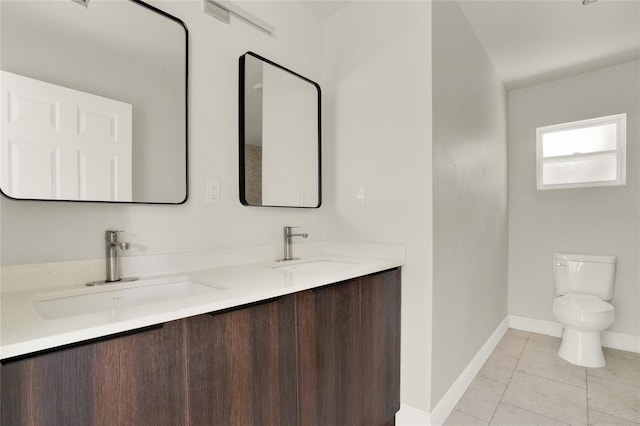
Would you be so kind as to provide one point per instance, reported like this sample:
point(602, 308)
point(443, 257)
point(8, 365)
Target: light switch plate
point(212, 195)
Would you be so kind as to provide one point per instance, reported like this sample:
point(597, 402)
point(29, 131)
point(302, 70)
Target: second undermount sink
point(317, 266)
point(120, 297)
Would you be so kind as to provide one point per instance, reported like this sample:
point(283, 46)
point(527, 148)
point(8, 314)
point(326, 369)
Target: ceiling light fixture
point(223, 9)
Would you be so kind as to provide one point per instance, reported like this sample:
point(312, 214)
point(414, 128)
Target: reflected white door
point(61, 143)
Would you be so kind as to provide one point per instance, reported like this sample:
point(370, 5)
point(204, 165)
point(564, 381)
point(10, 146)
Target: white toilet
point(583, 284)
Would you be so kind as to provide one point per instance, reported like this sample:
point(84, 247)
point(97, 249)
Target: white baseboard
point(610, 339)
point(622, 341)
point(410, 416)
point(548, 328)
point(448, 402)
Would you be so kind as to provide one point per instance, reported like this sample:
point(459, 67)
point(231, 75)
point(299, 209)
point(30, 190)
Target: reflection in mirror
point(94, 102)
point(279, 136)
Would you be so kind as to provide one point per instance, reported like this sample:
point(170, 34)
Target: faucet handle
point(288, 234)
point(111, 236)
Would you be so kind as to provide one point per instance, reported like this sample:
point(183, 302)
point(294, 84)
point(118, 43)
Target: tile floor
point(524, 382)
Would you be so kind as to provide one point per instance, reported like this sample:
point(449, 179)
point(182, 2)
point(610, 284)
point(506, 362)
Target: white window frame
point(620, 120)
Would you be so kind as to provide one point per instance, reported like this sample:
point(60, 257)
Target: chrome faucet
point(112, 244)
point(287, 242)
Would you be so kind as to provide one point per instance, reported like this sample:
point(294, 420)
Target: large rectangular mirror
point(93, 102)
point(279, 136)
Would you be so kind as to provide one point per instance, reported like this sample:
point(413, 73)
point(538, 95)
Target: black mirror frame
point(186, 117)
point(241, 131)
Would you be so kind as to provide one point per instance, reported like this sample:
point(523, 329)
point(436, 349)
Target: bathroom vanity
point(312, 350)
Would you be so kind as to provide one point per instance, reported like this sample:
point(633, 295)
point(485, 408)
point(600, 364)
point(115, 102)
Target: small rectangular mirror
point(93, 102)
point(279, 136)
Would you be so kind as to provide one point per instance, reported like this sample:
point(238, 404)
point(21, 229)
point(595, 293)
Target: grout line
point(552, 379)
point(587, 373)
point(467, 414)
point(520, 356)
point(626, 421)
point(586, 393)
point(510, 377)
point(592, 373)
point(538, 414)
point(608, 379)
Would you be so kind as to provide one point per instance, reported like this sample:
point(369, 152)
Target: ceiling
point(531, 41)
point(325, 8)
point(534, 41)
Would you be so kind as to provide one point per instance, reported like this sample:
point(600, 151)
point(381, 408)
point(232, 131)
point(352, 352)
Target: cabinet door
point(329, 355)
point(380, 304)
point(241, 366)
point(52, 389)
point(135, 379)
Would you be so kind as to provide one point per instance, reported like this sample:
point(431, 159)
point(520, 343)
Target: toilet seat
point(583, 309)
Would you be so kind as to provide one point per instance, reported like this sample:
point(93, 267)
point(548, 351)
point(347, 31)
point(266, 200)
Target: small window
point(582, 153)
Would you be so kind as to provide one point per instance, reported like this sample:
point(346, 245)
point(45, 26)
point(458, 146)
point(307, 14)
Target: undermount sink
point(317, 266)
point(105, 299)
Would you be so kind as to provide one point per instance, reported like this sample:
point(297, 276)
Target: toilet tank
point(584, 274)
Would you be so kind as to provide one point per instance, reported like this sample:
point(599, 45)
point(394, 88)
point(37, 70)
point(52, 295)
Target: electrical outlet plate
point(361, 197)
point(212, 194)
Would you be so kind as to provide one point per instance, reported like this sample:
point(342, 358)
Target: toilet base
point(582, 348)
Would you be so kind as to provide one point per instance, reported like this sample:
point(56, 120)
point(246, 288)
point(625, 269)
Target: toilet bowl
point(583, 317)
point(583, 283)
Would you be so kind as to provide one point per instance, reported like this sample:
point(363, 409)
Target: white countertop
point(24, 331)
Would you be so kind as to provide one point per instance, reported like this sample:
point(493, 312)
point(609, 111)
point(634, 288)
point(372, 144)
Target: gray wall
point(588, 220)
point(469, 197)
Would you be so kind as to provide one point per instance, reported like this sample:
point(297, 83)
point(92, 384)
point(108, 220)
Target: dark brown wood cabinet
point(328, 356)
point(135, 379)
point(349, 352)
point(241, 365)
point(380, 363)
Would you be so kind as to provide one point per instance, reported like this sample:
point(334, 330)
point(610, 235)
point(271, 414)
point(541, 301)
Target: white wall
point(589, 220)
point(34, 232)
point(378, 119)
point(469, 197)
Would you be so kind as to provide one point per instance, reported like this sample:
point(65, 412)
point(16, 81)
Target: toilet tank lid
point(584, 258)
